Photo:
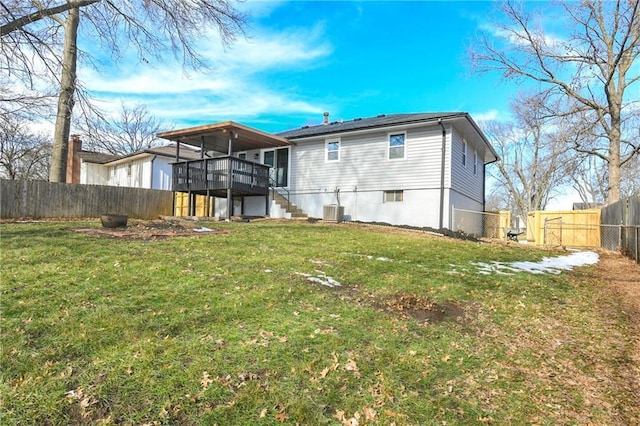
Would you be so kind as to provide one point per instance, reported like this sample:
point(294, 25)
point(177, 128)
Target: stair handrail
point(273, 185)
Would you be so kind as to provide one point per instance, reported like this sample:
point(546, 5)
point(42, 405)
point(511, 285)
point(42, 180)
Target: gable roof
point(165, 151)
point(380, 121)
point(97, 157)
point(215, 137)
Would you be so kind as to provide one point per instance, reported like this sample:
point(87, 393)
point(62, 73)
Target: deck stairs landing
point(295, 211)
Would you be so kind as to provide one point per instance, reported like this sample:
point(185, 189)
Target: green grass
point(224, 329)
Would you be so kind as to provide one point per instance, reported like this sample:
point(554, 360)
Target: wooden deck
point(214, 176)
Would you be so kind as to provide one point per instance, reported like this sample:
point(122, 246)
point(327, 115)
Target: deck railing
point(221, 173)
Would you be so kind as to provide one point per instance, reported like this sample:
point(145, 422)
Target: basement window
point(395, 196)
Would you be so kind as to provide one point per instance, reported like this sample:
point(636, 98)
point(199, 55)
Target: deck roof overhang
point(217, 137)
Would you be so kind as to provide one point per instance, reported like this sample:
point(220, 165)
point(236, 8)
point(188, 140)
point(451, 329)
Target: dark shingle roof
point(97, 157)
point(186, 153)
point(379, 121)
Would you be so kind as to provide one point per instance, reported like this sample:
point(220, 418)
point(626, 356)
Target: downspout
point(153, 159)
point(444, 144)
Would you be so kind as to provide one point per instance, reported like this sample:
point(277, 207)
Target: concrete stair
point(296, 213)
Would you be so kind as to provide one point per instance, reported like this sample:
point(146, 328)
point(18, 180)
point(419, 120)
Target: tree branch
point(19, 23)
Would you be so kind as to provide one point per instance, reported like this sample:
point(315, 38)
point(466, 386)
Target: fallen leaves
point(368, 415)
point(206, 380)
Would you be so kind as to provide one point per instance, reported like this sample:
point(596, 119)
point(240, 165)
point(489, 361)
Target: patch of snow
point(203, 229)
point(548, 265)
point(321, 278)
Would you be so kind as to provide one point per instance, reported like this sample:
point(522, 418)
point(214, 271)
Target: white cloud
point(490, 115)
point(239, 85)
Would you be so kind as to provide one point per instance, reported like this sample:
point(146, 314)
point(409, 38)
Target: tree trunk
point(58, 171)
point(614, 168)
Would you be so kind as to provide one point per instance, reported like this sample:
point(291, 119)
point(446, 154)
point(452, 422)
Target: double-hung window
point(397, 146)
point(464, 152)
point(475, 163)
point(332, 150)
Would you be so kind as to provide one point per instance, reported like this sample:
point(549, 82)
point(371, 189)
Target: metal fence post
point(637, 244)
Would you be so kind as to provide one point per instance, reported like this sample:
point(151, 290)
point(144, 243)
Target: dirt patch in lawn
point(622, 276)
point(619, 294)
point(154, 229)
point(422, 309)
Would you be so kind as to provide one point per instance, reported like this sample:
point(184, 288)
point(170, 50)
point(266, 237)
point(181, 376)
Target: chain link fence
point(624, 216)
point(480, 224)
point(557, 233)
point(623, 236)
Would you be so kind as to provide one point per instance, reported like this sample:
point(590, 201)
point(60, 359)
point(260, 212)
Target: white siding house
point(390, 168)
point(151, 168)
point(402, 169)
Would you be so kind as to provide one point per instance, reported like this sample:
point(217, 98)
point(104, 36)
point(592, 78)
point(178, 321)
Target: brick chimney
point(73, 159)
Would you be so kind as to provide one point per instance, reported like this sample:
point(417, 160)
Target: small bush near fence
point(39, 199)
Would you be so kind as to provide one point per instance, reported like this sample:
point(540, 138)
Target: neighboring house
point(150, 168)
point(404, 169)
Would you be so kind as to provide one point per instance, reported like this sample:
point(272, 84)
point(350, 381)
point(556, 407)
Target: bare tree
point(32, 29)
point(631, 177)
point(589, 179)
point(533, 159)
point(592, 68)
point(23, 154)
point(133, 130)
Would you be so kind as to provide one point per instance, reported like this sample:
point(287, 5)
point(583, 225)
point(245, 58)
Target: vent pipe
point(326, 118)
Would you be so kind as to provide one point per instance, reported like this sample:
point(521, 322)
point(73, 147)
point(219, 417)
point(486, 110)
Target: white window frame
point(393, 196)
point(404, 146)
point(464, 152)
point(240, 154)
point(475, 162)
point(328, 142)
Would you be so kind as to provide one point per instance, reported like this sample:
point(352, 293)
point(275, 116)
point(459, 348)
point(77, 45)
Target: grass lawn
point(226, 328)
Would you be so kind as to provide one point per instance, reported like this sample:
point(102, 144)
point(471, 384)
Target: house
point(150, 168)
point(404, 169)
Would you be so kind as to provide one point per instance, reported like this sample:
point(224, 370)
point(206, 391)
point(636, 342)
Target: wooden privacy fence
point(200, 204)
point(40, 199)
point(575, 228)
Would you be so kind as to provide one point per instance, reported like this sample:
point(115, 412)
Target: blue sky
point(299, 59)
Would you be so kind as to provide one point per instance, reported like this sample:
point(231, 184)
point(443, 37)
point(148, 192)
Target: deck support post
point(230, 177)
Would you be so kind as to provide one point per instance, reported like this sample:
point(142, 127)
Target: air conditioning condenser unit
point(333, 213)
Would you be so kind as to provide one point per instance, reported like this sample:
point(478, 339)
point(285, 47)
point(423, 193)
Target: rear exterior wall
point(364, 171)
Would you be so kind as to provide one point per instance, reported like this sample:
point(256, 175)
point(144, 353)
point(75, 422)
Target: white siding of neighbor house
point(119, 174)
point(93, 174)
point(363, 173)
